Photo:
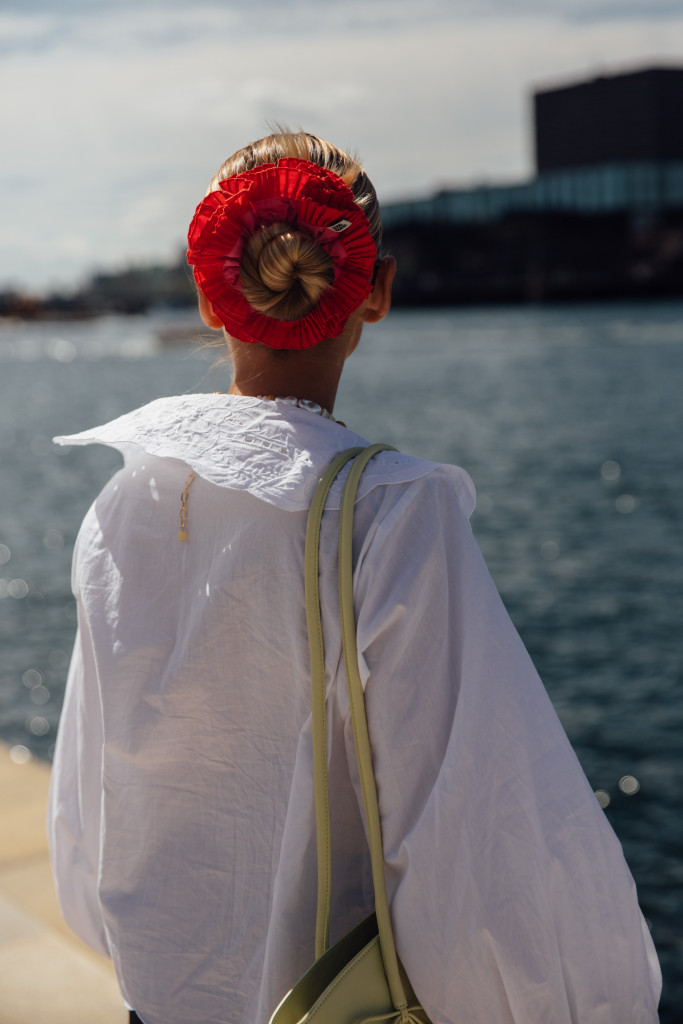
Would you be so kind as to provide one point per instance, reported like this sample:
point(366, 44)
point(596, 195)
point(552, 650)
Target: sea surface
point(569, 420)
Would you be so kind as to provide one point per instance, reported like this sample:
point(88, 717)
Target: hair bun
point(284, 273)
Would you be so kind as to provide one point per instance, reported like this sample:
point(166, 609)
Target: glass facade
point(606, 188)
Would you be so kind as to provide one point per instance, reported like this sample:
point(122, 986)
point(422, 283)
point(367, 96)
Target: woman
point(181, 816)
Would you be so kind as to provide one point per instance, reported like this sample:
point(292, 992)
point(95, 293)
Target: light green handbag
point(359, 980)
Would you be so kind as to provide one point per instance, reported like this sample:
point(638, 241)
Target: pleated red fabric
point(312, 200)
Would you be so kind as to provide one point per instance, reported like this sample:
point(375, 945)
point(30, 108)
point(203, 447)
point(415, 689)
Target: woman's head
point(285, 245)
point(304, 146)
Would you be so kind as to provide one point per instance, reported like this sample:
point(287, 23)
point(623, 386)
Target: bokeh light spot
point(53, 540)
point(32, 677)
point(61, 349)
point(625, 503)
point(40, 694)
point(58, 659)
point(610, 470)
point(19, 753)
point(17, 589)
point(629, 784)
point(38, 726)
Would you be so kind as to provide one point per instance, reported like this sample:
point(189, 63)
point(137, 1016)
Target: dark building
point(634, 117)
point(602, 218)
point(604, 146)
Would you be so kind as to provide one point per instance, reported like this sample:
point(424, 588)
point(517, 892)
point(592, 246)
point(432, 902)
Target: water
point(570, 422)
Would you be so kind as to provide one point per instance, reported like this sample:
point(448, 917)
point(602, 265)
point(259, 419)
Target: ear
point(206, 312)
point(378, 303)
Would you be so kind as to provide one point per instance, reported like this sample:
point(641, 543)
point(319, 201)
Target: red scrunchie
point(312, 200)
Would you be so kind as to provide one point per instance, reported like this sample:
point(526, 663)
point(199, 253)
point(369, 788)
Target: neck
point(312, 373)
point(314, 392)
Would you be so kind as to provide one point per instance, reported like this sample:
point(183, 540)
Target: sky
point(115, 115)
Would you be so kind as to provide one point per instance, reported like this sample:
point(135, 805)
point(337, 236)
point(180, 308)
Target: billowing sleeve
point(74, 808)
point(510, 896)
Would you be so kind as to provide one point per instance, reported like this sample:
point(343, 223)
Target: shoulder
point(417, 491)
point(415, 537)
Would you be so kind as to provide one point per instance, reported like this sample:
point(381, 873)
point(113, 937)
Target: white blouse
point(181, 819)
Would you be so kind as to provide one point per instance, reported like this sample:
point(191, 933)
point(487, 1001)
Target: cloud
point(33, 24)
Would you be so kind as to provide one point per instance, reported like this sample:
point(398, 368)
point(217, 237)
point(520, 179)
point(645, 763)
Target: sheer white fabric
point(181, 814)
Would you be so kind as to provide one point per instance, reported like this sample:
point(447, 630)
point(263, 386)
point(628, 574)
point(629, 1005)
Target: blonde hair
point(283, 272)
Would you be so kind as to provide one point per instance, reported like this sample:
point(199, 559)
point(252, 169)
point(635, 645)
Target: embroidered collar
point(272, 450)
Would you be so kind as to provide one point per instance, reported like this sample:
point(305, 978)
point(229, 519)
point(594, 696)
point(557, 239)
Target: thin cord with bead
point(182, 532)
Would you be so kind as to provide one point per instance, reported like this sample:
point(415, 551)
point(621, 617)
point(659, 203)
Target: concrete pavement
point(47, 975)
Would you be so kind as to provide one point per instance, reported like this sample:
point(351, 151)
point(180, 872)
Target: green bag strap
point(360, 728)
point(317, 656)
point(357, 706)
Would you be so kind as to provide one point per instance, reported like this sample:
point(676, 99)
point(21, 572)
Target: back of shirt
point(182, 812)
